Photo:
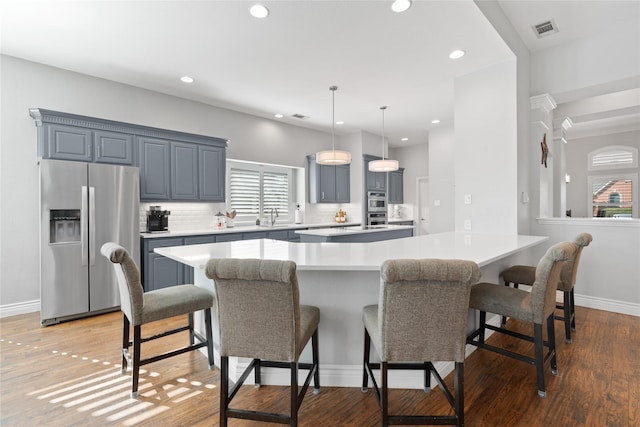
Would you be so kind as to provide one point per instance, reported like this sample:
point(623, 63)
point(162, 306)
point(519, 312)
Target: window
point(255, 189)
point(613, 196)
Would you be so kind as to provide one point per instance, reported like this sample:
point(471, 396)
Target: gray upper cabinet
point(154, 169)
point(211, 173)
point(173, 165)
point(184, 171)
point(113, 147)
point(68, 143)
point(396, 187)
point(328, 184)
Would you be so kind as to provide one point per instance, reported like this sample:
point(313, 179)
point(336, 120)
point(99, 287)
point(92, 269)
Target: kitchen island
point(356, 234)
point(342, 278)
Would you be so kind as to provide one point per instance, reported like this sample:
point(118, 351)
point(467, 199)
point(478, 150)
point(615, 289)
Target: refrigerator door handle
point(83, 226)
point(92, 225)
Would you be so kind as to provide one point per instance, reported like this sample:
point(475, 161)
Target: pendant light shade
point(333, 156)
point(384, 165)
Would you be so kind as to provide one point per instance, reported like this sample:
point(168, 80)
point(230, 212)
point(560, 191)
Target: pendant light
point(384, 165)
point(333, 156)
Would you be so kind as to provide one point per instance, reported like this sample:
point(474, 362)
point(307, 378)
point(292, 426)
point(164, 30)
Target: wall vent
point(545, 28)
point(299, 116)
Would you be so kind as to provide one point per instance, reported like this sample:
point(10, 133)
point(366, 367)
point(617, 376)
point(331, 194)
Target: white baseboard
point(19, 308)
point(605, 304)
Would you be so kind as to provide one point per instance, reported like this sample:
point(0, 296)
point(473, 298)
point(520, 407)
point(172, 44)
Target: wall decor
point(545, 150)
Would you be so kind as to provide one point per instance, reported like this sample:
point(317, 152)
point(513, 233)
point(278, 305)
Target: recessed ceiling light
point(404, 139)
point(456, 54)
point(186, 79)
point(339, 122)
point(278, 116)
point(400, 5)
point(435, 122)
point(259, 11)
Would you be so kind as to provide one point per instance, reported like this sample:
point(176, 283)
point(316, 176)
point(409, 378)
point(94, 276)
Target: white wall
point(26, 85)
point(486, 149)
point(576, 152)
point(441, 180)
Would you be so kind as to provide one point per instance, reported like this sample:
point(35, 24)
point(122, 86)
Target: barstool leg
point(568, 318)
point(367, 350)
point(539, 355)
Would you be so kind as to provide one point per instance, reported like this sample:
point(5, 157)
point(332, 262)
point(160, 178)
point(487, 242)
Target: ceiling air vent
point(545, 28)
point(299, 116)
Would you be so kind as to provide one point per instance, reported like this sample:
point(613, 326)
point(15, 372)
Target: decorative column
point(542, 155)
point(560, 127)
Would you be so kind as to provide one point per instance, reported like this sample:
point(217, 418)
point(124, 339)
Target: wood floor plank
point(69, 375)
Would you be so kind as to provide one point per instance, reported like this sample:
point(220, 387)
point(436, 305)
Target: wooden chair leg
point(137, 332)
point(125, 342)
point(551, 337)
point(294, 394)
point(539, 356)
point(384, 394)
point(224, 390)
point(257, 374)
point(483, 323)
point(316, 362)
point(573, 310)
point(567, 316)
point(191, 334)
point(504, 318)
point(209, 337)
point(458, 384)
point(367, 351)
point(427, 377)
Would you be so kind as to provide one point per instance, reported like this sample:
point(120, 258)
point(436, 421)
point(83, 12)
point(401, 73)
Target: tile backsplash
point(201, 216)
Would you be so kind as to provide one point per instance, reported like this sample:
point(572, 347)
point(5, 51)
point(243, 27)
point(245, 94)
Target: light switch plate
point(467, 224)
point(467, 199)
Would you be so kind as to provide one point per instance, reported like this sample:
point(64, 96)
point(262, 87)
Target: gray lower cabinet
point(159, 271)
point(327, 183)
point(396, 187)
point(154, 168)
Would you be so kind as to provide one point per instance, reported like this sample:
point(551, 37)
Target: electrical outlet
point(467, 199)
point(467, 224)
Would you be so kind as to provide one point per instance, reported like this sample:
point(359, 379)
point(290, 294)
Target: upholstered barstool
point(421, 317)
point(525, 275)
point(535, 307)
point(261, 318)
point(139, 308)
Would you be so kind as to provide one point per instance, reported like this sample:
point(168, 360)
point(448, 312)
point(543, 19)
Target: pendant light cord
point(384, 107)
point(333, 117)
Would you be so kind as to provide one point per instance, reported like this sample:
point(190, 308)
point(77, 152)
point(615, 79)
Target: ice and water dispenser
point(64, 225)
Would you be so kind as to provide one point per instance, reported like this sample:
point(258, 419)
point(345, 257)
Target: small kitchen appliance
point(157, 219)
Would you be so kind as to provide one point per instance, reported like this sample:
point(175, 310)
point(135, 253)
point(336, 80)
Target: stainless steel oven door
point(376, 218)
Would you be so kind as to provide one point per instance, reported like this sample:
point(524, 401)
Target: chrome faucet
point(273, 218)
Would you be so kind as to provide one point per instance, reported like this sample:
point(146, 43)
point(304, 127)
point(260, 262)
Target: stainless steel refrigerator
point(84, 205)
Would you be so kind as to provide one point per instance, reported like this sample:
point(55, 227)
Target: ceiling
point(286, 62)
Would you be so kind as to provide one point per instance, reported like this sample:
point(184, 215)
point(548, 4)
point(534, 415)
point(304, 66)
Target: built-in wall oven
point(376, 208)
point(376, 218)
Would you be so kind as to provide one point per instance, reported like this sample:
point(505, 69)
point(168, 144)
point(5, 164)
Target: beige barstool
point(421, 317)
point(525, 275)
point(260, 317)
point(535, 307)
point(139, 308)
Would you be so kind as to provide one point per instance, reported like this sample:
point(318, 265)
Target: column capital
point(543, 102)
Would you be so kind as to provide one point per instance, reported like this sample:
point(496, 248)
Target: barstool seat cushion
point(174, 301)
point(494, 298)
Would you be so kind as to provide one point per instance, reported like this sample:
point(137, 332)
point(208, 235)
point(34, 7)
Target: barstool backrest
point(258, 307)
point(423, 308)
point(570, 268)
point(129, 285)
point(543, 290)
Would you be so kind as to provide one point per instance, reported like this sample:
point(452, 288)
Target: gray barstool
point(139, 308)
point(260, 317)
point(525, 275)
point(421, 317)
point(534, 307)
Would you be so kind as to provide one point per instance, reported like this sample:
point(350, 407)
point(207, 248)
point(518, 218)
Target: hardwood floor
point(69, 375)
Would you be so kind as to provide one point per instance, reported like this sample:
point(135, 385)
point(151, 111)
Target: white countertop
point(357, 229)
point(243, 229)
point(478, 247)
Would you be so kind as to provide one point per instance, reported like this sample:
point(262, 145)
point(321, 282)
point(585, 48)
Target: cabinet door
point(163, 272)
point(68, 143)
point(184, 171)
point(113, 147)
point(211, 173)
point(343, 185)
point(396, 187)
point(327, 175)
point(154, 169)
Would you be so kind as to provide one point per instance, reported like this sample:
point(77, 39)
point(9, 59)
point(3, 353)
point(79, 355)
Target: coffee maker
point(157, 219)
